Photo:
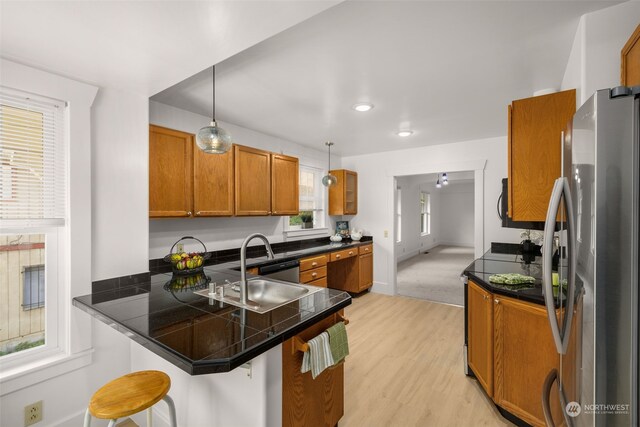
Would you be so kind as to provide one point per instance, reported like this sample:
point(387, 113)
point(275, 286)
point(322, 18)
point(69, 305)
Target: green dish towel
point(338, 342)
point(318, 357)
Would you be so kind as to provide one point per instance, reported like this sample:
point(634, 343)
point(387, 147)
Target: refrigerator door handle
point(546, 393)
point(547, 256)
point(571, 285)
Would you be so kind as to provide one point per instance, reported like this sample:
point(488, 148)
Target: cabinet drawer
point(313, 262)
point(322, 282)
point(366, 249)
point(314, 274)
point(346, 253)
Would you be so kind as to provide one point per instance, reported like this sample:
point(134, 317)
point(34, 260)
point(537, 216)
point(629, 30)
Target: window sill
point(324, 231)
point(40, 370)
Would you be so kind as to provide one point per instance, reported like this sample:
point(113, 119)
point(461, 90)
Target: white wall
point(456, 215)
point(225, 233)
point(376, 193)
point(594, 62)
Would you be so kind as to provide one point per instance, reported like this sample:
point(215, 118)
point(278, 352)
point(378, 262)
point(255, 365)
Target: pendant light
point(438, 185)
point(328, 180)
point(213, 139)
point(445, 180)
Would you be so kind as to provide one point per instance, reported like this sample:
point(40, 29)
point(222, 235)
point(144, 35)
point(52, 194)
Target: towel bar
point(299, 345)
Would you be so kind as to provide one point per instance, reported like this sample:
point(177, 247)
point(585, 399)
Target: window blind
point(32, 160)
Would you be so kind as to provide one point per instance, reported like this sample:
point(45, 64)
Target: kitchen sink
point(264, 295)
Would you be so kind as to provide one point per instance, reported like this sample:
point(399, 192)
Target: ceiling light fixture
point(405, 133)
point(438, 185)
point(363, 107)
point(445, 180)
point(213, 139)
point(328, 180)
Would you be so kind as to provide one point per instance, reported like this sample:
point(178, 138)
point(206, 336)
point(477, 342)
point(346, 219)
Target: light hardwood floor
point(406, 369)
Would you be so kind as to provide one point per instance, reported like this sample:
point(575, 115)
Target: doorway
point(434, 234)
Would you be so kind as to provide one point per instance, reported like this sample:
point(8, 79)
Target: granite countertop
point(256, 255)
point(502, 259)
point(201, 335)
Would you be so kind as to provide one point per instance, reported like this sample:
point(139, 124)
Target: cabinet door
point(170, 159)
point(253, 181)
point(630, 55)
point(343, 196)
point(480, 335)
point(366, 272)
point(524, 353)
point(213, 183)
point(284, 185)
point(351, 193)
point(535, 130)
point(305, 401)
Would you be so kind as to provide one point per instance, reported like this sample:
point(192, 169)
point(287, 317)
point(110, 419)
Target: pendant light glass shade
point(328, 180)
point(438, 185)
point(213, 139)
point(445, 180)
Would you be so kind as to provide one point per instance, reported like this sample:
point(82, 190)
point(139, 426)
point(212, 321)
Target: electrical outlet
point(386, 233)
point(33, 413)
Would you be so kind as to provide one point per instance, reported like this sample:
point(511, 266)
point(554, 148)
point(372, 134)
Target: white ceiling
point(447, 70)
point(141, 46)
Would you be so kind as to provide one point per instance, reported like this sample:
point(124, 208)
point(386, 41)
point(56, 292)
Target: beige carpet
point(436, 275)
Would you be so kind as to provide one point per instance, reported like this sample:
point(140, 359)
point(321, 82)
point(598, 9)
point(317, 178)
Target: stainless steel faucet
point(244, 298)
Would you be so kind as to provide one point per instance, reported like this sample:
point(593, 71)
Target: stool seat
point(129, 394)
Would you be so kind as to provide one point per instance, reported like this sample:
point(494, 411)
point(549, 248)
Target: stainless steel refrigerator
point(593, 310)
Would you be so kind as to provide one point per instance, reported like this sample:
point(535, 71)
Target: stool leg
point(113, 422)
point(172, 410)
point(150, 416)
point(87, 418)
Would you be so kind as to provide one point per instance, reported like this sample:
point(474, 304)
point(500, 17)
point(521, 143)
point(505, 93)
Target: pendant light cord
point(213, 108)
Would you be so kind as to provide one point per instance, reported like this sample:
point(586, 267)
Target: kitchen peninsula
point(177, 328)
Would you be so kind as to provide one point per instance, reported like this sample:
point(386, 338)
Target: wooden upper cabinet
point(213, 183)
point(534, 144)
point(284, 185)
point(343, 196)
point(253, 181)
point(170, 179)
point(630, 60)
point(480, 335)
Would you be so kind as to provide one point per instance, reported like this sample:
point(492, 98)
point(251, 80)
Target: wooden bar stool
point(130, 394)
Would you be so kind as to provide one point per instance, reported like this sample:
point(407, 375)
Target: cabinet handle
point(350, 252)
point(497, 301)
point(189, 213)
point(313, 264)
point(314, 274)
point(485, 297)
point(366, 249)
point(198, 213)
point(337, 256)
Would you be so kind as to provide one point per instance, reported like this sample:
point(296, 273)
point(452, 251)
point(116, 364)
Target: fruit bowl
point(187, 263)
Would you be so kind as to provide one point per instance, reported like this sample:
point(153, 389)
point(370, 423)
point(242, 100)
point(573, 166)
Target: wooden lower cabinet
point(351, 270)
point(511, 351)
point(480, 335)
point(524, 353)
point(365, 272)
point(305, 401)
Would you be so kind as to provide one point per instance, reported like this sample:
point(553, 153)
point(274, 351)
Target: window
point(311, 201)
point(32, 217)
point(425, 213)
point(399, 216)
point(33, 287)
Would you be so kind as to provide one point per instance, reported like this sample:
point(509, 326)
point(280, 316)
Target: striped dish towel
point(318, 357)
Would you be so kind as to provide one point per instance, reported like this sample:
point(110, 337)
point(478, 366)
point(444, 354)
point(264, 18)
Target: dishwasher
point(287, 271)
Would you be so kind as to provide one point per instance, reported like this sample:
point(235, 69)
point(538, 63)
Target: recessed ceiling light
point(362, 107)
point(405, 133)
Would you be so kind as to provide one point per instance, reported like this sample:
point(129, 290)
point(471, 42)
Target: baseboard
point(408, 255)
point(462, 244)
point(381, 288)
point(76, 419)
